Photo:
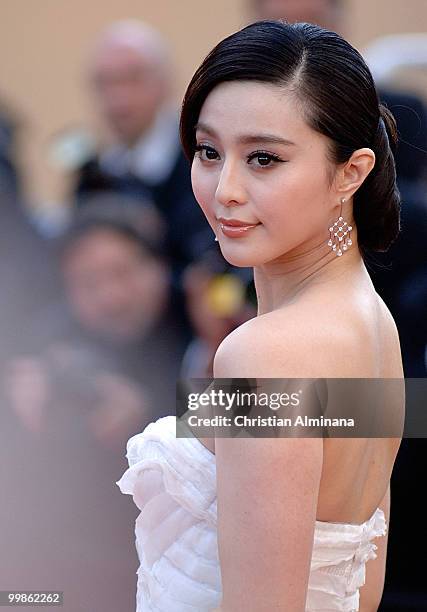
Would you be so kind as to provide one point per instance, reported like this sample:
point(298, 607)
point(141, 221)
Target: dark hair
point(136, 220)
point(338, 97)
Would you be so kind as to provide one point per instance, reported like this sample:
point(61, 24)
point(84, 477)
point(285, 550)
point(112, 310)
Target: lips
point(234, 228)
point(235, 223)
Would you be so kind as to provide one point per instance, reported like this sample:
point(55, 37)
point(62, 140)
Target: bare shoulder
point(267, 492)
point(301, 341)
point(387, 320)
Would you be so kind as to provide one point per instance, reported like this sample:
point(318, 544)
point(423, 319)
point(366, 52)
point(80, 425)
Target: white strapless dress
point(173, 483)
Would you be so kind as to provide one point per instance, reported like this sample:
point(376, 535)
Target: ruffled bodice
point(173, 483)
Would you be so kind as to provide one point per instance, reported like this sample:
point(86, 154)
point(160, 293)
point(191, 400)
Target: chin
point(245, 259)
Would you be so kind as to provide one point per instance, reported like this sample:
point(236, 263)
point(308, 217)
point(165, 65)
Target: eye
point(264, 158)
point(205, 152)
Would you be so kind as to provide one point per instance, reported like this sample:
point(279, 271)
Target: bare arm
point(267, 500)
point(372, 590)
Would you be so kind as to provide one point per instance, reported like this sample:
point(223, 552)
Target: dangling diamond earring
point(216, 238)
point(340, 234)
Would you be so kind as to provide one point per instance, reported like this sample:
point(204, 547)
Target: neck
point(282, 280)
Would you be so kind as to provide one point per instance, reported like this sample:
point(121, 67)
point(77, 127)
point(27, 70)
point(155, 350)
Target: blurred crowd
point(98, 322)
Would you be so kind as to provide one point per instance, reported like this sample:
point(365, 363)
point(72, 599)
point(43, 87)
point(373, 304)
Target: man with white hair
point(326, 13)
point(130, 74)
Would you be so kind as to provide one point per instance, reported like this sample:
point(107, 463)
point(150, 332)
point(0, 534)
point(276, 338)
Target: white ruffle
point(338, 563)
point(173, 483)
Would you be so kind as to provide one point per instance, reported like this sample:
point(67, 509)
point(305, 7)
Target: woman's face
point(258, 162)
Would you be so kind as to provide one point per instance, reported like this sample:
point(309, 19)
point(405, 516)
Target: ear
point(352, 174)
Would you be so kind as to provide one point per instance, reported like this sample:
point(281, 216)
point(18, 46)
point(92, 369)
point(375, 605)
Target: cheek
point(292, 204)
point(204, 188)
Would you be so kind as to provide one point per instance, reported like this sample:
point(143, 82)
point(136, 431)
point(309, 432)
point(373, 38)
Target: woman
point(293, 168)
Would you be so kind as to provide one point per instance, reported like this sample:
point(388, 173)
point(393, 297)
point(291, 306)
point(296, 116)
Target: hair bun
point(377, 202)
point(387, 122)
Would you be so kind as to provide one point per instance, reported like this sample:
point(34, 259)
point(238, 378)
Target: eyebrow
point(248, 138)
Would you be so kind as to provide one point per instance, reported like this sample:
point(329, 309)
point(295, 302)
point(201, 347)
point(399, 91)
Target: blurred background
point(112, 284)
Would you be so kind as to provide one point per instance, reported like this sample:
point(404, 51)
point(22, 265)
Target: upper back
point(323, 337)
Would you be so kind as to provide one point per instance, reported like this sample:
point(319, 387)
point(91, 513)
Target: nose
point(230, 189)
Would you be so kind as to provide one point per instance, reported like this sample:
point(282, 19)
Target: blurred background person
point(105, 363)
point(326, 13)
point(131, 78)
point(115, 315)
point(117, 281)
point(218, 300)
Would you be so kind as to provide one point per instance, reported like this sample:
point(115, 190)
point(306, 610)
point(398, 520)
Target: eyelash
point(260, 153)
